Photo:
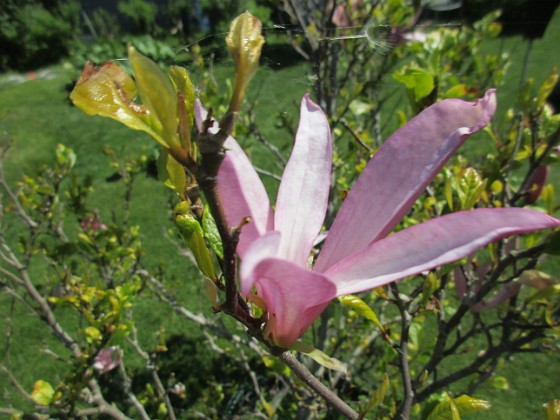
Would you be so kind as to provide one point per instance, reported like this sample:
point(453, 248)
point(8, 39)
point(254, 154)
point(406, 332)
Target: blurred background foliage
point(36, 33)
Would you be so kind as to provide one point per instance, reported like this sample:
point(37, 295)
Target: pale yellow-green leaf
point(212, 293)
point(109, 91)
point(380, 392)
point(466, 404)
point(183, 84)
point(211, 232)
point(552, 410)
point(43, 392)
point(542, 295)
point(362, 308)
point(269, 408)
point(157, 94)
point(171, 173)
point(319, 356)
point(499, 382)
point(192, 234)
point(92, 334)
point(431, 284)
point(546, 89)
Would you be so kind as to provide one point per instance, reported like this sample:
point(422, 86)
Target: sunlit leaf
point(419, 82)
point(445, 410)
point(109, 91)
point(546, 89)
point(192, 234)
point(319, 356)
point(466, 404)
point(43, 393)
point(362, 308)
point(499, 382)
point(431, 284)
point(211, 232)
point(157, 94)
point(552, 410)
point(171, 173)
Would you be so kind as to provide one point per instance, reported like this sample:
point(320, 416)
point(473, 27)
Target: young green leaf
point(171, 173)
point(192, 234)
point(109, 91)
point(362, 308)
point(211, 233)
point(157, 94)
point(43, 393)
point(319, 356)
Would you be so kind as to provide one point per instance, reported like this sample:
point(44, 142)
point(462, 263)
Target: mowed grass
point(37, 116)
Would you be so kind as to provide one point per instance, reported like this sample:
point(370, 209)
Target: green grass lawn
point(37, 116)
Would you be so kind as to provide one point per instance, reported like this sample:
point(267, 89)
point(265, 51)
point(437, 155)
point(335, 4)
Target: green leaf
point(109, 91)
point(192, 234)
point(157, 94)
point(65, 156)
point(431, 284)
point(445, 410)
point(183, 84)
point(466, 404)
point(379, 395)
point(546, 89)
point(419, 83)
point(361, 308)
point(319, 356)
point(211, 233)
point(43, 393)
point(453, 409)
point(171, 173)
point(92, 334)
point(499, 382)
point(544, 294)
point(552, 410)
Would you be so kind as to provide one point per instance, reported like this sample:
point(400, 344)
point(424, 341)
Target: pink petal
point(431, 244)
point(399, 172)
point(304, 190)
point(243, 195)
point(242, 192)
point(295, 297)
point(262, 248)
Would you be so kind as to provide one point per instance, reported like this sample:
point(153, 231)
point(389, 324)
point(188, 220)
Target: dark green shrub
point(33, 34)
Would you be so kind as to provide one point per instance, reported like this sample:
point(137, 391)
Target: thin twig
point(314, 383)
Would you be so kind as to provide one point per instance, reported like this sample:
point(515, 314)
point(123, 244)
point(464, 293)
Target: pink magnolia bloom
point(357, 254)
point(107, 359)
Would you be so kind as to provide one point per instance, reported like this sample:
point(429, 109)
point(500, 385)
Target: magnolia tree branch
point(405, 407)
point(314, 383)
point(441, 349)
point(149, 364)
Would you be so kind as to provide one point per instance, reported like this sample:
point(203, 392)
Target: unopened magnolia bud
point(245, 44)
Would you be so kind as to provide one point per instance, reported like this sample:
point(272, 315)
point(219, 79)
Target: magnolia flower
point(357, 254)
point(107, 359)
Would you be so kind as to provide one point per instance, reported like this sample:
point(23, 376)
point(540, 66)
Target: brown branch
point(405, 407)
point(314, 383)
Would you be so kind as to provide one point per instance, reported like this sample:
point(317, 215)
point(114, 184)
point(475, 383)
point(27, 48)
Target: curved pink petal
point(243, 195)
point(399, 172)
point(262, 248)
point(304, 190)
point(294, 296)
point(431, 244)
point(242, 192)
